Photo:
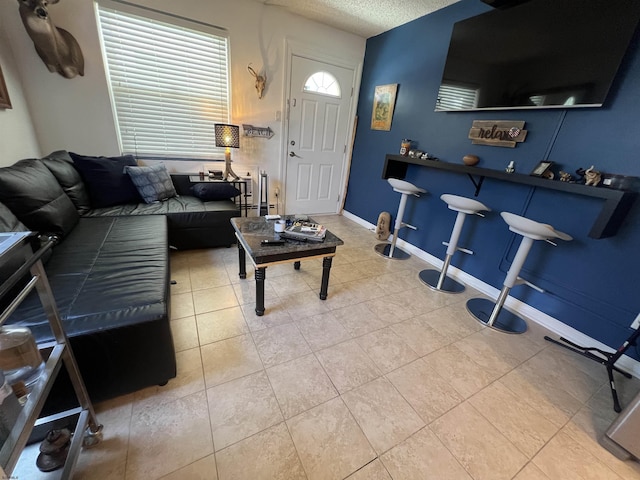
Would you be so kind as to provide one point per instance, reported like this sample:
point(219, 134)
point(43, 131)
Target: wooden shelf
point(617, 203)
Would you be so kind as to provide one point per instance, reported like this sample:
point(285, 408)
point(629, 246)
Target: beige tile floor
point(383, 380)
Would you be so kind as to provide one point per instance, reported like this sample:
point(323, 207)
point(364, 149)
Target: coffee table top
point(252, 230)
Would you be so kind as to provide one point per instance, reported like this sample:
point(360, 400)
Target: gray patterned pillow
point(153, 183)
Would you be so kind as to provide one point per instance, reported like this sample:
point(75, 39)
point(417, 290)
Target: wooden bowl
point(470, 160)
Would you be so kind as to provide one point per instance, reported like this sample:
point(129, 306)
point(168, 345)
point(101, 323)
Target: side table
point(17, 245)
point(239, 184)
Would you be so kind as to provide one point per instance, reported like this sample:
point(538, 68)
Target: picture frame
point(4, 94)
point(541, 169)
point(384, 101)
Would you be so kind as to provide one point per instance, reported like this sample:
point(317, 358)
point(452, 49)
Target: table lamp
point(227, 136)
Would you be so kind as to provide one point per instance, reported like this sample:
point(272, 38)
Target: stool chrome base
point(384, 249)
point(432, 277)
point(481, 309)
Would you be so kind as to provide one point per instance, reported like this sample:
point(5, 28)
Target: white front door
point(319, 104)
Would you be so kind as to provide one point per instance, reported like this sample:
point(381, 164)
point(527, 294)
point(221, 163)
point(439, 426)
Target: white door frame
point(297, 48)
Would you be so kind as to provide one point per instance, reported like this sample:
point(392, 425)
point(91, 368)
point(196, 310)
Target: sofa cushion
point(211, 191)
point(34, 195)
point(61, 165)
point(153, 182)
point(106, 180)
point(9, 222)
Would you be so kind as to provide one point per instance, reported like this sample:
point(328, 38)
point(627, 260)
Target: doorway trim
point(354, 62)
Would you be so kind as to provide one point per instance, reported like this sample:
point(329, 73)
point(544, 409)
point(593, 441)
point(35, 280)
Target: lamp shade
point(227, 135)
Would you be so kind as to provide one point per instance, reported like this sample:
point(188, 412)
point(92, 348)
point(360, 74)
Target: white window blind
point(456, 97)
point(169, 83)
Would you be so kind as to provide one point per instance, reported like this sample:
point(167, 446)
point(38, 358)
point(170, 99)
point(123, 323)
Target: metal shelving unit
point(17, 245)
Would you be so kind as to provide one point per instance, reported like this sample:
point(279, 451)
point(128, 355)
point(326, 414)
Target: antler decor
point(261, 80)
point(56, 47)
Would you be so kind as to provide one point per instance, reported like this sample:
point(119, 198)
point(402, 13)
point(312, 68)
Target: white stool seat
point(532, 229)
point(464, 204)
point(492, 314)
point(438, 280)
point(389, 250)
point(407, 188)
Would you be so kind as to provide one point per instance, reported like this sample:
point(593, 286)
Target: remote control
point(269, 243)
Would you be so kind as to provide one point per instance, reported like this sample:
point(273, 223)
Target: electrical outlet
point(636, 323)
point(277, 191)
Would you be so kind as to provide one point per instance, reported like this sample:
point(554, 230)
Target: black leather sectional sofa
point(109, 270)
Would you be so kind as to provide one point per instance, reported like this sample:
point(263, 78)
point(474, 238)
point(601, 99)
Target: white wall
point(17, 135)
point(75, 114)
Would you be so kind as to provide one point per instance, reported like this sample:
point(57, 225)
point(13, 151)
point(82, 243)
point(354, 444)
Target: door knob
point(292, 154)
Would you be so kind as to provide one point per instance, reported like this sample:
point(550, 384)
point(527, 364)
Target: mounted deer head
point(56, 47)
point(261, 80)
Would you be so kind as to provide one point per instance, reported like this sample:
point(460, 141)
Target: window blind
point(456, 97)
point(169, 84)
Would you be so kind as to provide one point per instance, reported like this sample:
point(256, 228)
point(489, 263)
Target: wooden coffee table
point(251, 231)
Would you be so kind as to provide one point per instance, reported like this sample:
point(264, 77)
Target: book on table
point(305, 231)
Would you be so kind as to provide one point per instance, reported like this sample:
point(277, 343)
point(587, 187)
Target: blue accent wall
point(591, 285)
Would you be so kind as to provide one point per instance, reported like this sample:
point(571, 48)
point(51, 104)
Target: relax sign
point(498, 133)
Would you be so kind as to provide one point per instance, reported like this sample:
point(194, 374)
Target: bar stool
point(493, 315)
point(438, 280)
point(389, 250)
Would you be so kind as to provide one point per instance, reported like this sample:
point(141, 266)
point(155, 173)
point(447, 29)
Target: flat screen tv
point(537, 54)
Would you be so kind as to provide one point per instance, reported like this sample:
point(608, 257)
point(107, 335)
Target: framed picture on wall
point(4, 94)
point(384, 100)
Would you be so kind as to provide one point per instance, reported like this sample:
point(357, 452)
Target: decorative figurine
point(511, 167)
point(565, 177)
point(592, 177)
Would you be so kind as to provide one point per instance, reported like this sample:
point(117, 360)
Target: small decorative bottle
point(405, 146)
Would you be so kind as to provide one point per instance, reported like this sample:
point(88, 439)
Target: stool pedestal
point(390, 250)
point(492, 314)
point(438, 280)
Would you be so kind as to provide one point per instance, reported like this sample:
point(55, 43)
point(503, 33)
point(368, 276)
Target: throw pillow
point(9, 222)
point(106, 180)
point(153, 183)
point(61, 165)
point(214, 191)
point(34, 195)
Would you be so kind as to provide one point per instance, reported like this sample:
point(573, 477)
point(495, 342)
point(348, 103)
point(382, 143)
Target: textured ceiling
point(362, 17)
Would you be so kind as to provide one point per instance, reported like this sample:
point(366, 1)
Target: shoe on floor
point(54, 450)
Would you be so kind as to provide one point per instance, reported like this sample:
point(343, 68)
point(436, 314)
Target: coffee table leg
point(296, 265)
point(326, 268)
point(242, 261)
point(260, 276)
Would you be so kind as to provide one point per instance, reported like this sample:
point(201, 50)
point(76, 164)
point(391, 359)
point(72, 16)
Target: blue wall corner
point(591, 284)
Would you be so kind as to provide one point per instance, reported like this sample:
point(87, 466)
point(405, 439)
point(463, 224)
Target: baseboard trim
point(625, 363)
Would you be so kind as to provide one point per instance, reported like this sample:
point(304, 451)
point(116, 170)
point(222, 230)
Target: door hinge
point(345, 149)
point(352, 91)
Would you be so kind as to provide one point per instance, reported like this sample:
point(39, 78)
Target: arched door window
point(323, 83)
